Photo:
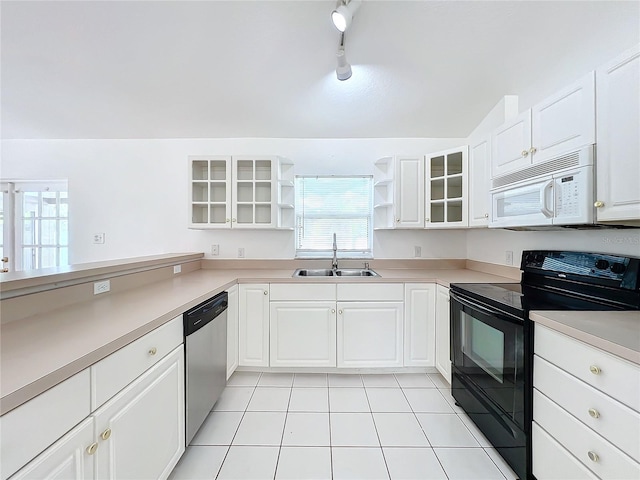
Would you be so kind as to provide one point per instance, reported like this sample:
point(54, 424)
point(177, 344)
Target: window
point(330, 204)
point(35, 224)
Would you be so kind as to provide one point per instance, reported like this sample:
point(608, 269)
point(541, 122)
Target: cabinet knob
point(426, 219)
point(594, 413)
point(593, 456)
point(532, 150)
point(106, 434)
point(266, 293)
point(91, 449)
point(233, 220)
point(595, 369)
point(525, 153)
point(397, 220)
point(486, 215)
point(333, 310)
point(4, 270)
point(598, 204)
point(153, 351)
point(227, 220)
point(5, 259)
point(340, 312)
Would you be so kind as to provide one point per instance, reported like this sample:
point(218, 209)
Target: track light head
point(342, 16)
point(343, 71)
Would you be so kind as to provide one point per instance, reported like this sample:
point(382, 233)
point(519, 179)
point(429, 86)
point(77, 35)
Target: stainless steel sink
point(341, 272)
point(313, 272)
point(356, 272)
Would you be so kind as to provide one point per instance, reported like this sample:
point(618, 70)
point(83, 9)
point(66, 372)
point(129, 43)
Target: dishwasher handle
point(202, 314)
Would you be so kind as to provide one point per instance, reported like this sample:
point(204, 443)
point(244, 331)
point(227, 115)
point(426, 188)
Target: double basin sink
point(340, 272)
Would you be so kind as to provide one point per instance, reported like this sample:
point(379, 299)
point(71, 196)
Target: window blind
point(330, 204)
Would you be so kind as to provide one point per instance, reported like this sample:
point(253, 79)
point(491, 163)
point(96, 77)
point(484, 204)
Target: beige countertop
point(39, 351)
point(614, 332)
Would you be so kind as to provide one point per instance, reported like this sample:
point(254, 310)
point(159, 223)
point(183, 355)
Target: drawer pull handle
point(595, 369)
point(91, 449)
point(594, 413)
point(106, 434)
point(593, 456)
point(153, 351)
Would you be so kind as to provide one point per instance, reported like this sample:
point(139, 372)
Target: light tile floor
point(339, 426)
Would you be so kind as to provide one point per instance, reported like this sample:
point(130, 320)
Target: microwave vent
point(568, 160)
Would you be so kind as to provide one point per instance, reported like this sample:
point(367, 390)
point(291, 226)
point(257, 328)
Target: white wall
point(135, 191)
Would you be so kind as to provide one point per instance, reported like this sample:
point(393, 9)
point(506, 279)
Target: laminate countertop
point(40, 351)
point(616, 332)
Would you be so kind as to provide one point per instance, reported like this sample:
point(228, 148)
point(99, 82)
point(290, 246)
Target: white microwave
point(561, 197)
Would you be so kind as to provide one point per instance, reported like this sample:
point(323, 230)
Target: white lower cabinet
point(67, 459)
point(370, 334)
point(587, 401)
point(141, 431)
point(232, 331)
point(443, 333)
point(551, 461)
point(303, 334)
point(419, 324)
point(253, 325)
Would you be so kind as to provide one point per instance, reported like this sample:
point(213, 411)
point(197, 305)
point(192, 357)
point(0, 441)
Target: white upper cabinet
point(399, 192)
point(562, 122)
point(479, 181)
point(446, 188)
point(409, 194)
point(510, 144)
point(618, 162)
point(241, 192)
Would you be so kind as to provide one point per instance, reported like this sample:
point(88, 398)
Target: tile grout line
point(384, 459)
point(238, 427)
point(284, 427)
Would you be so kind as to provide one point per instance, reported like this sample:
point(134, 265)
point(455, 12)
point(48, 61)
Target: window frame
point(301, 253)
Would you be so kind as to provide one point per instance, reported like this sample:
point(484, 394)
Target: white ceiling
point(214, 69)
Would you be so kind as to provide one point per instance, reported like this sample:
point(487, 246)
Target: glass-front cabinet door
point(445, 188)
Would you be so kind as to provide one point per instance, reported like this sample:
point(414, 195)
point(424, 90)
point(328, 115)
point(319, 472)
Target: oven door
point(488, 351)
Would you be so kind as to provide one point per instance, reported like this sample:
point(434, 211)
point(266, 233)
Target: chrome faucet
point(334, 263)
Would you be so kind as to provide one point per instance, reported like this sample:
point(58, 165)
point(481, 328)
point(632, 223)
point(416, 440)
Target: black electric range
point(492, 336)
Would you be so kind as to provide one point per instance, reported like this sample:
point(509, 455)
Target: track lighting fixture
point(343, 13)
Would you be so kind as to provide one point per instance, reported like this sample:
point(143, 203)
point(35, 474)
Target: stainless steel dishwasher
point(205, 332)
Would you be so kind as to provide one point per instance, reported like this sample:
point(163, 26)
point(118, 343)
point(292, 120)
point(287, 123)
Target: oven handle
point(477, 306)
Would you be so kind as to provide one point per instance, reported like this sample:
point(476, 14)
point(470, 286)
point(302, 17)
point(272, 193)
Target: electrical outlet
point(101, 287)
point(417, 251)
point(98, 238)
point(240, 252)
point(508, 257)
point(177, 268)
point(215, 249)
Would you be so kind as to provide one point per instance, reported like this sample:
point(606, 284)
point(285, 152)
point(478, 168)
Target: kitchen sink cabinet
point(140, 433)
point(241, 192)
point(303, 334)
point(369, 334)
point(419, 324)
point(443, 333)
point(618, 124)
point(562, 122)
point(232, 331)
point(253, 325)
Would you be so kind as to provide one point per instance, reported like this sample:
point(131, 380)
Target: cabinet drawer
point(592, 407)
point(593, 451)
point(613, 375)
point(113, 373)
point(33, 426)
point(297, 292)
point(382, 292)
point(552, 462)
